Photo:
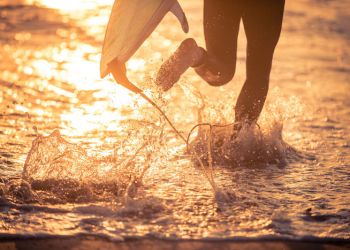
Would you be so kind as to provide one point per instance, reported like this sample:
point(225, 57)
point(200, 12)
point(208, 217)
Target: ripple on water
point(136, 180)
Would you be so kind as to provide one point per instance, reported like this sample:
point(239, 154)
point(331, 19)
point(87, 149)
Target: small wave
point(176, 240)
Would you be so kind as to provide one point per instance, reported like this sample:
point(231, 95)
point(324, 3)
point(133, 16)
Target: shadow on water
point(31, 24)
point(85, 243)
point(21, 22)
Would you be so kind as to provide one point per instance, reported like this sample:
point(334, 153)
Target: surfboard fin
point(180, 14)
point(118, 71)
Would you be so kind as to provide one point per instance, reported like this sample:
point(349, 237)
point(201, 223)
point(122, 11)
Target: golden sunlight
point(226, 146)
point(72, 6)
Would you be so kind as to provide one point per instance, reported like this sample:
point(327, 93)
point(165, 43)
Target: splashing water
point(115, 169)
point(253, 144)
point(71, 174)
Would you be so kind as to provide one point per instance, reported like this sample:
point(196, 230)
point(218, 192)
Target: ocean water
point(82, 155)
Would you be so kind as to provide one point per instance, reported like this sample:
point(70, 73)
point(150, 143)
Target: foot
point(186, 56)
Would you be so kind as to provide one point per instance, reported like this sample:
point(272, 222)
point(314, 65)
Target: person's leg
point(221, 26)
point(262, 23)
point(217, 64)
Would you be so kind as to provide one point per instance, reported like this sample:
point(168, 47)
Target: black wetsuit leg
point(221, 27)
point(262, 23)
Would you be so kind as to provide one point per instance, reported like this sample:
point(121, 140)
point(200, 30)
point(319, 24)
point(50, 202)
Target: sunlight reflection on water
point(73, 6)
point(78, 64)
point(54, 83)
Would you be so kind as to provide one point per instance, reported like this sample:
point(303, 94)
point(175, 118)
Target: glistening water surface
point(81, 155)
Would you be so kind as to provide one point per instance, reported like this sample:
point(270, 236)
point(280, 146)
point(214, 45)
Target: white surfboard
point(130, 23)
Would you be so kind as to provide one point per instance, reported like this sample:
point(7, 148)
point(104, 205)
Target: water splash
point(57, 171)
point(53, 157)
point(251, 146)
point(55, 166)
point(259, 145)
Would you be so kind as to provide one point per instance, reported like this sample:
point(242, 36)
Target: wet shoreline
point(91, 242)
point(50, 81)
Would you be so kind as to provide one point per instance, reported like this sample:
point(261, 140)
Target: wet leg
point(262, 23)
point(221, 27)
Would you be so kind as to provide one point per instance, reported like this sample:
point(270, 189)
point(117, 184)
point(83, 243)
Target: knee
point(222, 77)
point(215, 72)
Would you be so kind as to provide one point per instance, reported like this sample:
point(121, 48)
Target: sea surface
point(80, 155)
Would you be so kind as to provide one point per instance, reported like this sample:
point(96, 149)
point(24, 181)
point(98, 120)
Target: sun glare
point(135, 64)
point(77, 63)
point(72, 5)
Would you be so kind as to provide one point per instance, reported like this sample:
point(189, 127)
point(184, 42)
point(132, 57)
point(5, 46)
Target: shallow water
point(101, 161)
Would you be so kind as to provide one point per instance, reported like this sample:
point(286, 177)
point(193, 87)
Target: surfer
point(216, 64)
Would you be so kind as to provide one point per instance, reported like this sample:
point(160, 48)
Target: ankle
point(199, 57)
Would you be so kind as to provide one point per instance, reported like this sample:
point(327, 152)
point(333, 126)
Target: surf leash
point(119, 74)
